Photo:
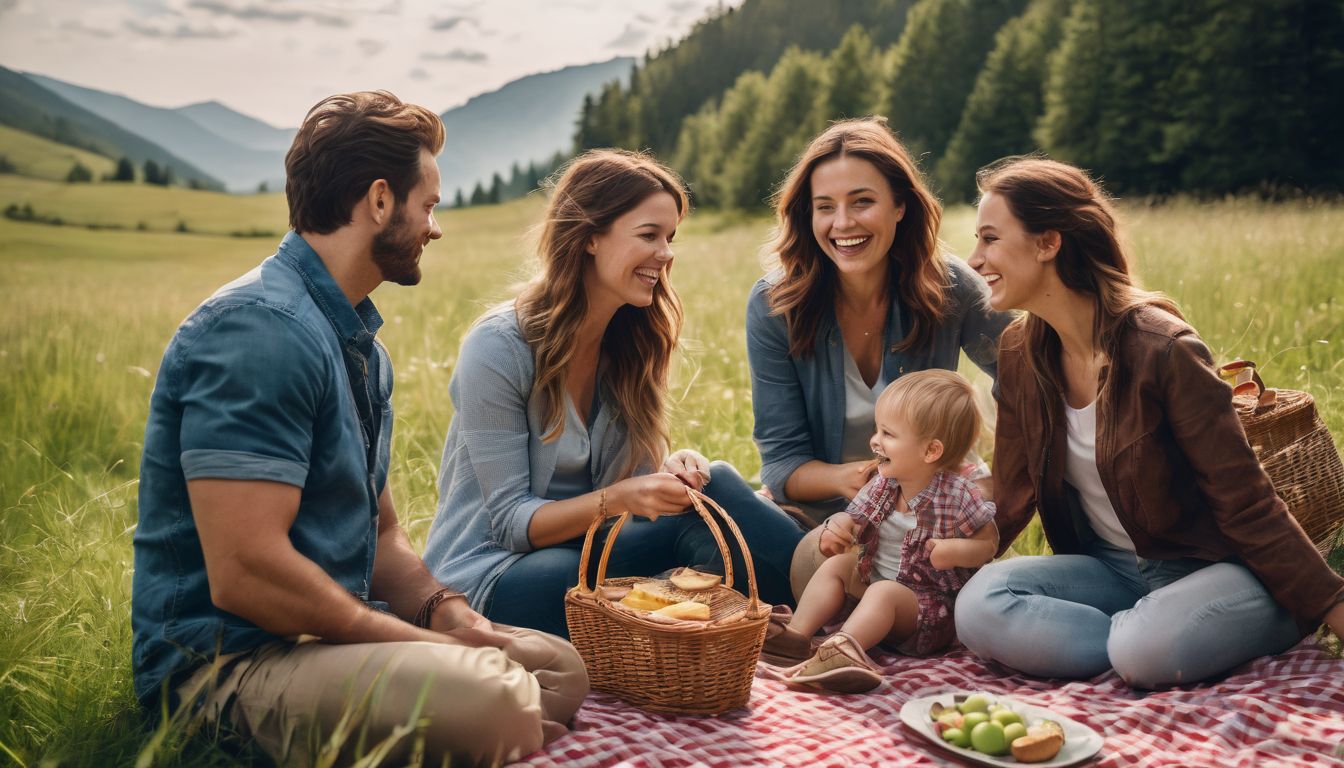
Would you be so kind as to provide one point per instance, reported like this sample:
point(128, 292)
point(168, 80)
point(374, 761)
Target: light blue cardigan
point(799, 403)
point(495, 467)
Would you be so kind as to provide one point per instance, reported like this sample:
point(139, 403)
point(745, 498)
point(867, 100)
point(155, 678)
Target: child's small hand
point(837, 535)
point(831, 545)
point(940, 555)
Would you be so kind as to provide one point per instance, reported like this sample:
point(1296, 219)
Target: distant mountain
point(527, 119)
point(212, 147)
point(30, 107)
point(238, 127)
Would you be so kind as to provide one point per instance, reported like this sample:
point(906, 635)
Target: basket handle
point(698, 501)
point(615, 529)
point(1245, 380)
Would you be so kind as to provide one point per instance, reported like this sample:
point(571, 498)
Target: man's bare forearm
point(255, 572)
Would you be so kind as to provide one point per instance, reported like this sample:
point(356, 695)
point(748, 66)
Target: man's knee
point(478, 704)
point(557, 667)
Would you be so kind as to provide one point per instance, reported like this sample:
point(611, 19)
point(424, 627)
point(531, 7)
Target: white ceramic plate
point(1080, 742)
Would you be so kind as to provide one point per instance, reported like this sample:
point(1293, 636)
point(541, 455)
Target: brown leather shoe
point(783, 646)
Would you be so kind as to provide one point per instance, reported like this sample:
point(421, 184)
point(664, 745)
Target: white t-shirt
point(860, 400)
point(1080, 471)
point(890, 541)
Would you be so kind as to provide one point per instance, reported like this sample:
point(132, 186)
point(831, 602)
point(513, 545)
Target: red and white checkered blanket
point(1286, 710)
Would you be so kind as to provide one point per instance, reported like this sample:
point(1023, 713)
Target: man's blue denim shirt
point(276, 377)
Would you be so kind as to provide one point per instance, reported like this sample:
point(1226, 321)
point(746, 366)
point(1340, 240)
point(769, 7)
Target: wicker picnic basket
point(697, 668)
point(1296, 450)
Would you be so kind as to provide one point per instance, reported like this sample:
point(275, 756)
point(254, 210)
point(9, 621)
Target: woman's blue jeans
point(531, 593)
point(1156, 622)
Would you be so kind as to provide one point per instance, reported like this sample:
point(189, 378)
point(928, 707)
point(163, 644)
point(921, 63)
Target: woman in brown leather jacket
point(1174, 558)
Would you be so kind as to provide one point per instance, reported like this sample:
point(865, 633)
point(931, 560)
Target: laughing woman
point(1174, 559)
point(863, 294)
point(560, 404)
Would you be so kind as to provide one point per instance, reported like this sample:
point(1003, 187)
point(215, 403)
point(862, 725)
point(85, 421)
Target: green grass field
point(39, 158)
point(91, 312)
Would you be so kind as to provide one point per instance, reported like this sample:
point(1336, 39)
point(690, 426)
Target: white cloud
point(458, 54)
point(78, 26)
point(276, 12)
point(452, 22)
point(629, 38)
point(164, 28)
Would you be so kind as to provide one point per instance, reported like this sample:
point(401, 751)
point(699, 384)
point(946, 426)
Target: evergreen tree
point(458, 200)
point(496, 192)
point(789, 115)
point(1007, 100)
point(935, 64)
point(152, 173)
point(855, 74)
point(693, 143)
point(586, 128)
point(478, 195)
point(79, 173)
point(715, 135)
point(1259, 97)
point(125, 170)
point(679, 81)
point(1108, 98)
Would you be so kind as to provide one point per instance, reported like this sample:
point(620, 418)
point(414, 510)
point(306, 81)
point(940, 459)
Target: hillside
point(1205, 98)
point(240, 167)
point(147, 207)
point(238, 127)
point(676, 82)
point(29, 107)
point(41, 158)
point(528, 119)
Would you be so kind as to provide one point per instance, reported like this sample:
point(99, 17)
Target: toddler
point(922, 529)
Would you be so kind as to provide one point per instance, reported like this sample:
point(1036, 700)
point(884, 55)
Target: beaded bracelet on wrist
point(426, 613)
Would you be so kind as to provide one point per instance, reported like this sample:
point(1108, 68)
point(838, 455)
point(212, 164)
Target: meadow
point(91, 311)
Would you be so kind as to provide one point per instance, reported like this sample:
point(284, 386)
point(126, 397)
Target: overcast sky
point(273, 59)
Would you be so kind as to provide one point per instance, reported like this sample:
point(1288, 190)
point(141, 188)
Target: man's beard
point(396, 251)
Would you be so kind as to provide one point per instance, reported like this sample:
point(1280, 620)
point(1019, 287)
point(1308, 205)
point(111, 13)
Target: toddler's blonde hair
point(938, 405)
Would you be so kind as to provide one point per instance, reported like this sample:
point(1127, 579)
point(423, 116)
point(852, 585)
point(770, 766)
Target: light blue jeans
point(1156, 622)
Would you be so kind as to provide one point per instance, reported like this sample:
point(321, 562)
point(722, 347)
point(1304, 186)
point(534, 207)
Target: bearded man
point(275, 592)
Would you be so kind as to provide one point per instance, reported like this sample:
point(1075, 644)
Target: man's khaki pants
point(471, 705)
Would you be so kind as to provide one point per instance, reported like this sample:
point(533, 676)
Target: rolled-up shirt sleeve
point(250, 386)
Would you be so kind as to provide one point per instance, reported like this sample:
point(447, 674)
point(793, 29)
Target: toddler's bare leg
point(888, 609)
point(824, 596)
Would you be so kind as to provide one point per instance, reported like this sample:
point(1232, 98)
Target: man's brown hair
point(347, 142)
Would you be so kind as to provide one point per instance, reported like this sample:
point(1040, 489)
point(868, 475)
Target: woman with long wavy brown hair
point(863, 293)
point(1174, 559)
point(561, 406)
